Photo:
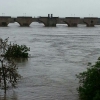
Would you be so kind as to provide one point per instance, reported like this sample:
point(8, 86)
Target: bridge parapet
point(4, 21)
point(90, 21)
point(35, 19)
point(24, 21)
point(72, 21)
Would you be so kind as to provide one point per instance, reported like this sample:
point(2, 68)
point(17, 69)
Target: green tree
point(8, 74)
point(8, 70)
point(89, 88)
point(17, 51)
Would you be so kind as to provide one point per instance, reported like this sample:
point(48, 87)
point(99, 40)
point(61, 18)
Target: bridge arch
point(90, 21)
point(4, 21)
point(40, 21)
point(24, 21)
point(72, 21)
point(67, 23)
point(48, 21)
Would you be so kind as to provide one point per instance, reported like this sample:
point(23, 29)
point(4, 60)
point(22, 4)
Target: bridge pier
point(90, 21)
point(72, 21)
point(24, 21)
point(49, 21)
point(4, 21)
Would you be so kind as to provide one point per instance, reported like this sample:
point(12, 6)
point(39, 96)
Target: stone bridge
point(90, 21)
point(4, 20)
point(49, 21)
point(24, 21)
point(72, 21)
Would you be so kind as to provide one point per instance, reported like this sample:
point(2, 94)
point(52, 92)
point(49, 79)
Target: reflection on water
point(20, 60)
point(57, 54)
point(9, 96)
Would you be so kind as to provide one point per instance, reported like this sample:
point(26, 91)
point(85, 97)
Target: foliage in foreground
point(13, 50)
point(8, 70)
point(17, 51)
point(89, 80)
point(8, 74)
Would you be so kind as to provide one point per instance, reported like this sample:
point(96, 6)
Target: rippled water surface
point(57, 55)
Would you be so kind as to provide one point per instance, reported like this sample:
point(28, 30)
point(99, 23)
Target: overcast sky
point(61, 8)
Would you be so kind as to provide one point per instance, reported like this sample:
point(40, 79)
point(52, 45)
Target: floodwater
point(56, 55)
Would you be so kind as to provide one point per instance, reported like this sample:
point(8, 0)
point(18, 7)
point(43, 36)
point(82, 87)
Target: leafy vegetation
point(89, 80)
point(8, 74)
point(17, 51)
point(8, 70)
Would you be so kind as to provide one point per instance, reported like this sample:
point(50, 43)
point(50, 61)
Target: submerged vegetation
point(89, 80)
point(17, 51)
point(13, 50)
point(8, 70)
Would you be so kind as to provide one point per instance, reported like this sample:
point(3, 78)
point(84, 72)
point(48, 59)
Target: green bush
point(89, 88)
point(9, 75)
point(17, 51)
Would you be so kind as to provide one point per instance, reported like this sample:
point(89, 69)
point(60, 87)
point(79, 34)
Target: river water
point(57, 55)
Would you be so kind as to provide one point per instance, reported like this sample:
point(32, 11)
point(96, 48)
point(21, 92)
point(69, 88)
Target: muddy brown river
point(56, 55)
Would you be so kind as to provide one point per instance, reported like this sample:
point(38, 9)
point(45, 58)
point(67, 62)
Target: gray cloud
point(61, 8)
